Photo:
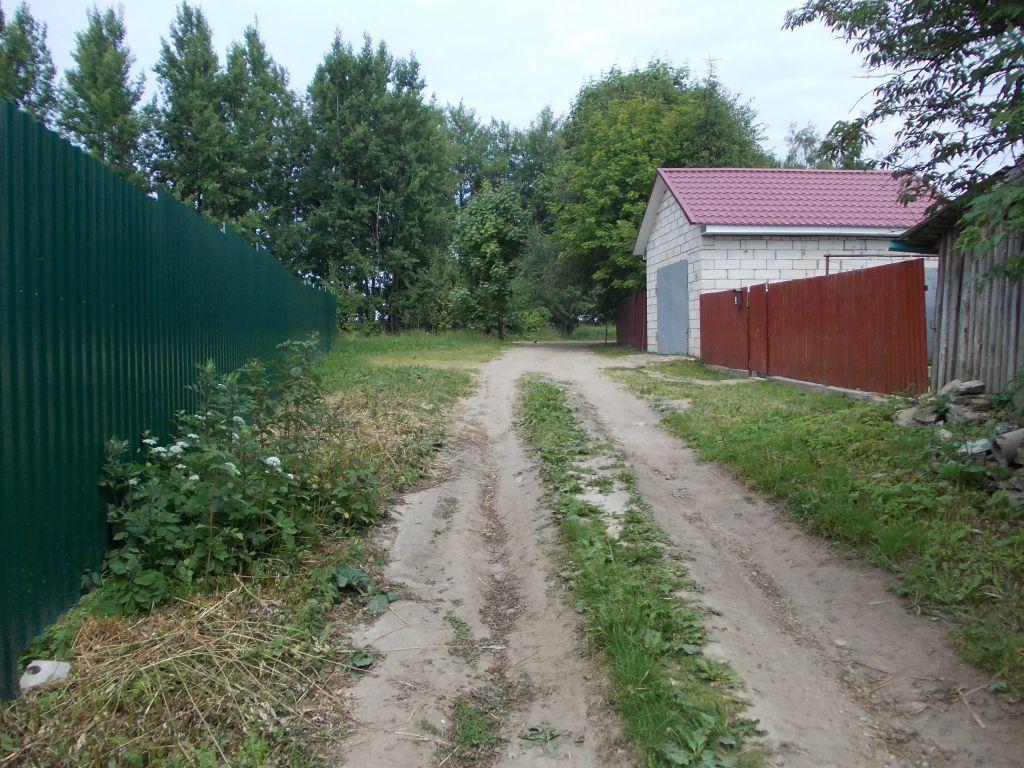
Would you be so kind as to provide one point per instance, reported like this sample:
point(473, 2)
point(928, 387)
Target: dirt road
point(836, 669)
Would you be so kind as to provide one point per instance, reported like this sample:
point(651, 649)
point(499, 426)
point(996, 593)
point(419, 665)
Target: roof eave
point(800, 231)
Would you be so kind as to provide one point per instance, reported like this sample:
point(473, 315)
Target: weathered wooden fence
point(631, 321)
point(980, 333)
point(108, 300)
point(863, 329)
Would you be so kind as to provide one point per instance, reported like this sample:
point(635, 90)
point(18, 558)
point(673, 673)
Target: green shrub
point(246, 475)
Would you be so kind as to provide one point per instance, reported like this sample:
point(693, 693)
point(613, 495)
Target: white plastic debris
point(40, 672)
point(972, 447)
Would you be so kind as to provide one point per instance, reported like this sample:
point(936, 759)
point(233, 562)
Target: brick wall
point(672, 239)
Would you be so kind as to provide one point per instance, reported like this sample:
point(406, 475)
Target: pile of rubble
point(959, 401)
point(963, 403)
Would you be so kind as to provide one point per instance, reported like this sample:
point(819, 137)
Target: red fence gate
point(863, 329)
point(631, 321)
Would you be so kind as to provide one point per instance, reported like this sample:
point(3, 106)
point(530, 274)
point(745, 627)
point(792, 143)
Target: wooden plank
point(953, 302)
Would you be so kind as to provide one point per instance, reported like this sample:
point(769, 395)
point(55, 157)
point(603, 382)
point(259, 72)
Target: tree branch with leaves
point(952, 73)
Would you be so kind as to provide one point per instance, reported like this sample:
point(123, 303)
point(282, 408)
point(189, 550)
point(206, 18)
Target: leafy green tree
point(193, 146)
point(469, 150)
point(267, 130)
point(377, 191)
point(98, 100)
point(951, 74)
point(719, 131)
point(806, 149)
point(481, 152)
point(427, 300)
point(620, 129)
point(802, 147)
point(542, 145)
point(26, 66)
point(544, 286)
point(489, 238)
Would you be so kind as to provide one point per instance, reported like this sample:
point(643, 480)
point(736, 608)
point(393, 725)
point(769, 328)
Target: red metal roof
point(791, 197)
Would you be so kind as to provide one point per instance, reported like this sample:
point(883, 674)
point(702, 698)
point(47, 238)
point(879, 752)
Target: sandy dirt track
point(837, 670)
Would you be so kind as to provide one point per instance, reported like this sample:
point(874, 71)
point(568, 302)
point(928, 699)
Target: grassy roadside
point(446, 349)
point(234, 674)
point(678, 707)
point(901, 497)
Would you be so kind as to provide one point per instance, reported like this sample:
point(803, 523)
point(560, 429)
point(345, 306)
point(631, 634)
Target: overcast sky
point(510, 59)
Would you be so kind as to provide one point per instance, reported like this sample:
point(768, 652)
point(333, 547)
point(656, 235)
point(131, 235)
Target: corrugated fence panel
point(723, 328)
point(108, 299)
point(863, 329)
point(631, 321)
point(757, 326)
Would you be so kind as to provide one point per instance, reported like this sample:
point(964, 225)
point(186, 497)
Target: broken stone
point(965, 415)
point(972, 387)
point(905, 418)
point(41, 672)
point(981, 404)
point(925, 415)
point(1008, 446)
point(973, 447)
point(948, 387)
point(1016, 480)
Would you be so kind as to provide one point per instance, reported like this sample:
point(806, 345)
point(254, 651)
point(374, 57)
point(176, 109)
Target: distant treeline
point(415, 214)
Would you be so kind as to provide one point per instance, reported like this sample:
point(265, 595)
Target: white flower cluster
point(273, 462)
point(230, 467)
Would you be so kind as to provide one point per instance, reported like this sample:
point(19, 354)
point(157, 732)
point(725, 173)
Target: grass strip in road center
point(678, 707)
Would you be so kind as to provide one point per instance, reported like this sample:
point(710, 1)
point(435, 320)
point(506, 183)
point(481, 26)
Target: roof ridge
point(777, 170)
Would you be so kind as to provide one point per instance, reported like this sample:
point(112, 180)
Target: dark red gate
point(863, 329)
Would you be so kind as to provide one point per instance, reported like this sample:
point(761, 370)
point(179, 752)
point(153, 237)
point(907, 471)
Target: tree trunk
point(501, 329)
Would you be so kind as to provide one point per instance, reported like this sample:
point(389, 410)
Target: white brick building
point(712, 229)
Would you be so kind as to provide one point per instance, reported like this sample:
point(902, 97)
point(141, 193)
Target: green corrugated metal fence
point(108, 298)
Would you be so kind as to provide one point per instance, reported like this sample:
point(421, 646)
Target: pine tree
point(98, 101)
point(26, 66)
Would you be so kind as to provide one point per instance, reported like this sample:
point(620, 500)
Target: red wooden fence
point(631, 321)
point(863, 329)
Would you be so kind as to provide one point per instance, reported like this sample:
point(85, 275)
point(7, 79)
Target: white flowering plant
point(246, 474)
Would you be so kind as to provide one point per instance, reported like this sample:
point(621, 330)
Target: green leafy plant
point(245, 475)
